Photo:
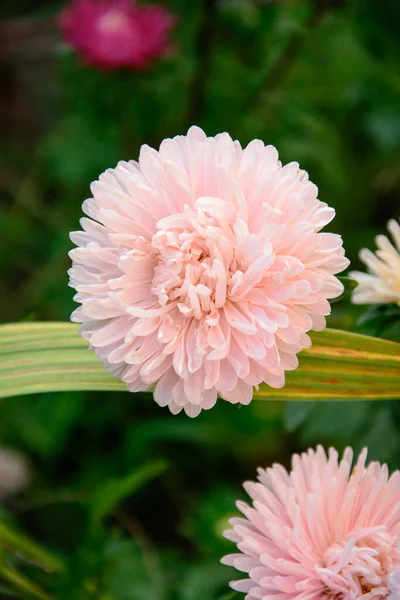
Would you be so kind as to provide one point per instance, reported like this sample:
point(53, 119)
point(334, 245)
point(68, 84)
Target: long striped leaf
point(26, 587)
point(19, 544)
point(49, 357)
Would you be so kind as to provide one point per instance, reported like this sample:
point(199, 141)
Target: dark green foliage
point(381, 321)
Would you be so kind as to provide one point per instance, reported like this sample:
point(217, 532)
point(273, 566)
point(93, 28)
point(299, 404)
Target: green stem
point(197, 94)
point(273, 77)
point(22, 546)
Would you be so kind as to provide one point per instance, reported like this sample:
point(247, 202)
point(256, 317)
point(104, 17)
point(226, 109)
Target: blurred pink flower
point(117, 33)
point(321, 532)
point(201, 269)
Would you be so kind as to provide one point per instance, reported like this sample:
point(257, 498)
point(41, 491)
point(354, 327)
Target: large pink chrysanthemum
point(117, 33)
point(201, 269)
point(320, 532)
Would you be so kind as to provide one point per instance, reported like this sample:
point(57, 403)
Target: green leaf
point(296, 413)
point(339, 424)
point(43, 426)
point(108, 496)
point(22, 583)
point(342, 366)
point(49, 357)
point(382, 320)
point(130, 573)
point(22, 546)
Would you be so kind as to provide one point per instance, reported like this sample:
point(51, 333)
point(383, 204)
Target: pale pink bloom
point(324, 531)
point(382, 284)
point(117, 33)
point(201, 269)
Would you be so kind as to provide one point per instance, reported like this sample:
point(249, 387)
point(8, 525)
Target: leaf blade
point(19, 544)
point(111, 493)
point(22, 583)
point(47, 357)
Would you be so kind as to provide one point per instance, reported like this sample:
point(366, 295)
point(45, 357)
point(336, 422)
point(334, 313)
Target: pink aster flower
point(321, 532)
point(117, 33)
point(202, 268)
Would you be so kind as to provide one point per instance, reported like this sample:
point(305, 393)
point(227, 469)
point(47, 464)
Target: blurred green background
point(318, 79)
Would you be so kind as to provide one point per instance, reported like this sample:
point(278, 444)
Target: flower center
point(189, 272)
point(112, 21)
point(202, 262)
point(360, 567)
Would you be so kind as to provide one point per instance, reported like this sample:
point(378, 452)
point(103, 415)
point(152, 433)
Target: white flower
point(382, 284)
point(14, 472)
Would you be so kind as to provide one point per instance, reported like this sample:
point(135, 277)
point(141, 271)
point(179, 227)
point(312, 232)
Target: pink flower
point(115, 33)
point(321, 532)
point(201, 269)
